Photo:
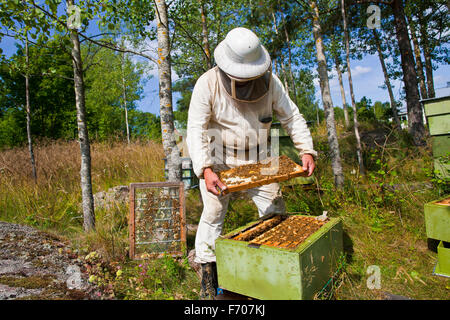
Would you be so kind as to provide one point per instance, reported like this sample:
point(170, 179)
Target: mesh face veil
point(247, 90)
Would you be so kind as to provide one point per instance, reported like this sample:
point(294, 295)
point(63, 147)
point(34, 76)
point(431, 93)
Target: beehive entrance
point(280, 231)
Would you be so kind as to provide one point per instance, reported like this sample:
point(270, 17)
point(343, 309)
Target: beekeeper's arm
point(294, 124)
point(197, 138)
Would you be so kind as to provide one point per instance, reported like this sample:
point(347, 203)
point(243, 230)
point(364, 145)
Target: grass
point(382, 213)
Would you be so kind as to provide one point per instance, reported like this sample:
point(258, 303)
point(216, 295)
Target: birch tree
point(362, 169)
point(326, 98)
point(165, 93)
point(28, 108)
point(124, 94)
point(205, 34)
point(387, 81)
point(19, 25)
point(341, 86)
point(87, 201)
point(418, 59)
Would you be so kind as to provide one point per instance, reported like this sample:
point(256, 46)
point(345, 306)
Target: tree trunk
point(28, 110)
point(386, 80)
point(419, 65)
point(415, 116)
point(85, 171)
point(291, 74)
point(427, 56)
point(205, 34)
point(165, 94)
point(362, 170)
point(283, 69)
point(124, 93)
point(275, 65)
point(341, 85)
point(326, 99)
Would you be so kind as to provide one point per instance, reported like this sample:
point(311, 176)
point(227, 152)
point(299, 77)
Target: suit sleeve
point(197, 126)
point(291, 119)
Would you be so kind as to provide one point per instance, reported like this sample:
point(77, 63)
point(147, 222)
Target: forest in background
point(116, 66)
point(71, 81)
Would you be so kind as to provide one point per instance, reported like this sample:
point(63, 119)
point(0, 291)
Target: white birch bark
point(165, 94)
point(28, 109)
point(326, 99)
point(362, 170)
point(83, 137)
point(341, 85)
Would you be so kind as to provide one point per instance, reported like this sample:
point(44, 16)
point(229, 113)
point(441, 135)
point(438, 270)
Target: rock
point(31, 267)
point(115, 195)
point(390, 296)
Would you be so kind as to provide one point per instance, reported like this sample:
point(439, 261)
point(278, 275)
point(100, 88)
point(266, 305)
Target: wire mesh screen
point(157, 219)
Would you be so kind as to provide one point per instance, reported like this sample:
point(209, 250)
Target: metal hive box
point(437, 219)
point(443, 264)
point(274, 273)
point(437, 111)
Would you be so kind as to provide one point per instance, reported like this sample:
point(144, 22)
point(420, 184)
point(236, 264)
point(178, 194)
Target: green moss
point(57, 291)
point(33, 282)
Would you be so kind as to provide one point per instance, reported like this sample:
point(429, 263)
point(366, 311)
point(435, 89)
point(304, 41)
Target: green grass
point(382, 215)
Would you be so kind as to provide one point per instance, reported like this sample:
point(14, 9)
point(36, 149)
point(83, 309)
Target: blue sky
point(367, 79)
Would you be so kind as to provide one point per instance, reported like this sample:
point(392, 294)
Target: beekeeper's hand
point(212, 182)
point(308, 163)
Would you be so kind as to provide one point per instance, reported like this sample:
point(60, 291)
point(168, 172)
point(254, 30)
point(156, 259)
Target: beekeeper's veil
point(245, 65)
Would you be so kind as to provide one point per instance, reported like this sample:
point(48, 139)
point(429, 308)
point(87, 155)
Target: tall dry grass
point(53, 202)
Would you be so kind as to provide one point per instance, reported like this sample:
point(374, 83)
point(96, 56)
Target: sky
point(366, 73)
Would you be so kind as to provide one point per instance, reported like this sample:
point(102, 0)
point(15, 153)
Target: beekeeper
point(229, 119)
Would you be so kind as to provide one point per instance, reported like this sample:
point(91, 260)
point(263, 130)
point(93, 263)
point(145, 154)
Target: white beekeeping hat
point(241, 54)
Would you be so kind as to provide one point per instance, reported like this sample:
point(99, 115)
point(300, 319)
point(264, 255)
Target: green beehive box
point(439, 124)
point(441, 146)
point(437, 111)
point(437, 220)
point(443, 263)
point(436, 106)
point(271, 273)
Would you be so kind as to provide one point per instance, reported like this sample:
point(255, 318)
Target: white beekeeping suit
point(230, 115)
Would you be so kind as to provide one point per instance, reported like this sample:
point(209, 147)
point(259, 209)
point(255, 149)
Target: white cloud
point(359, 70)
